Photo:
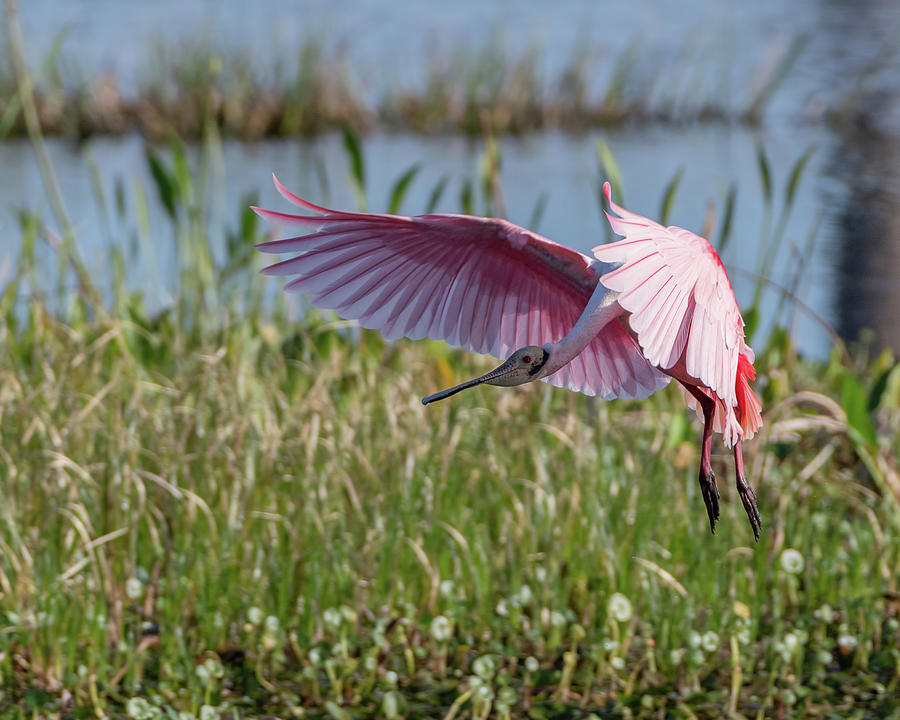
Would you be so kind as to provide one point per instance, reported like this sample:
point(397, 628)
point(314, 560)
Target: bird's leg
point(707, 478)
point(748, 497)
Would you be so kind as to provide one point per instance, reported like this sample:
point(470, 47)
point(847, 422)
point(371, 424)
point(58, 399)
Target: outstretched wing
point(479, 283)
point(681, 303)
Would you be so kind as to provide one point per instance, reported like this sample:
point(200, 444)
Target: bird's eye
point(526, 359)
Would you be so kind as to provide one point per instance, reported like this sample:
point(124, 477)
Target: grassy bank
point(260, 517)
point(186, 86)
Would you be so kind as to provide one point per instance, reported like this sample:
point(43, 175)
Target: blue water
point(850, 170)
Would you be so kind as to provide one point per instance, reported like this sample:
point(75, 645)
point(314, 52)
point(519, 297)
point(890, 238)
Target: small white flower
point(447, 588)
point(676, 657)
point(525, 596)
point(332, 618)
point(617, 663)
point(610, 646)
point(710, 641)
point(824, 657)
point(390, 677)
point(557, 619)
point(208, 712)
point(484, 693)
point(315, 656)
point(791, 643)
point(254, 615)
point(369, 663)
point(744, 637)
point(694, 640)
point(502, 608)
point(825, 614)
point(620, 607)
point(441, 629)
point(792, 562)
point(484, 667)
point(202, 673)
point(540, 573)
point(532, 664)
point(847, 643)
point(272, 624)
point(134, 588)
point(140, 709)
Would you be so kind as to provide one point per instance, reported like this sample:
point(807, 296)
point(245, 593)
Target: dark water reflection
point(865, 165)
point(868, 258)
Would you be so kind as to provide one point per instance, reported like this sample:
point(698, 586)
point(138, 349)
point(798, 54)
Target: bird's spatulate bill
point(490, 378)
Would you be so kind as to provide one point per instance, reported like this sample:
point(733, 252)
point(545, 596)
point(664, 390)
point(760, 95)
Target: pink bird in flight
point(653, 306)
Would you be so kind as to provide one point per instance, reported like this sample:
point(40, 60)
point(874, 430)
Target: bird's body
point(653, 306)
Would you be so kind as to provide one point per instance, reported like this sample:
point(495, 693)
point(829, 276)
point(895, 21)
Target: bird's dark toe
point(710, 492)
point(748, 498)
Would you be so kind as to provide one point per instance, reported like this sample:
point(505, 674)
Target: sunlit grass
point(272, 503)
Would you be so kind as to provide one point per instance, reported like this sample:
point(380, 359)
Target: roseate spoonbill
point(653, 306)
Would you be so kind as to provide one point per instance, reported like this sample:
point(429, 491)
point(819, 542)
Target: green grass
point(186, 85)
point(271, 503)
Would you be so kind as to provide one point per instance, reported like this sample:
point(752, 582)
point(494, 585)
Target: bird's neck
point(602, 308)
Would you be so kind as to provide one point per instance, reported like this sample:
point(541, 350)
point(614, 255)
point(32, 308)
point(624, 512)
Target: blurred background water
point(840, 97)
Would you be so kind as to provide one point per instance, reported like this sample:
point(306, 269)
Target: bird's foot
point(748, 497)
point(710, 496)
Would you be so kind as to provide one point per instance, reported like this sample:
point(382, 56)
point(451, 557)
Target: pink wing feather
point(682, 308)
point(483, 284)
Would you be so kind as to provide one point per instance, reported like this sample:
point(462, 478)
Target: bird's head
point(523, 366)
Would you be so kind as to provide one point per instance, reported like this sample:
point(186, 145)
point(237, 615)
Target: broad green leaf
point(727, 217)
point(249, 219)
point(751, 319)
point(796, 174)
point(878, 388)
point(181, 170)
point(669, 197)
point(435, 197)
point(610, 170)
point(400, 187)
point(765, 173)
point(855, 406)
point(165, 181)
point(357, 165)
